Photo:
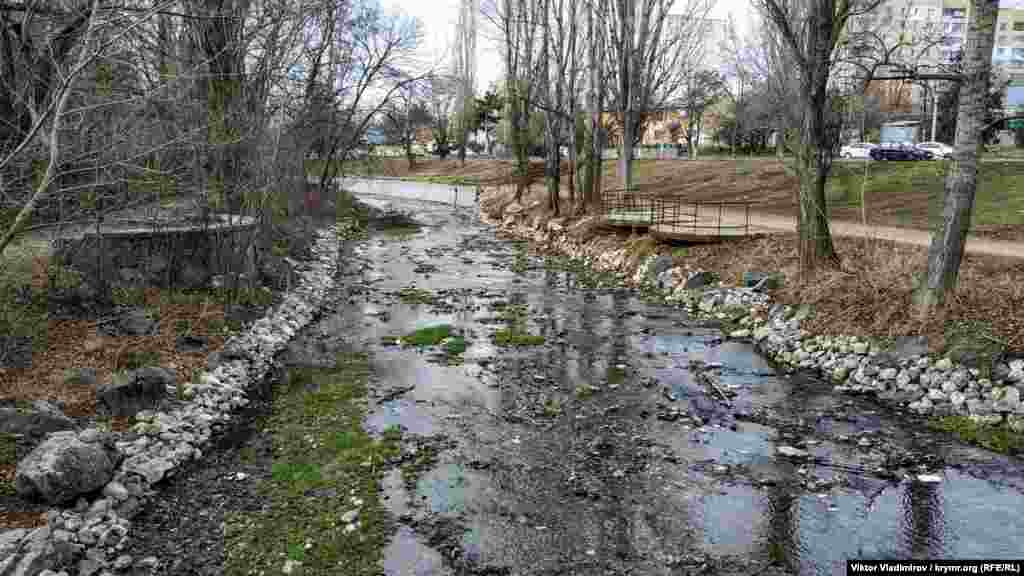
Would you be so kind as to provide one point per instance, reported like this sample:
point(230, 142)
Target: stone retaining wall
point(169, 255)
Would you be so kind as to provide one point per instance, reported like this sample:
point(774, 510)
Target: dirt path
point(762, 222)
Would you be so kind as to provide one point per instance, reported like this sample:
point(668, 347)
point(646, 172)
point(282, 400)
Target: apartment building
point(933, 33)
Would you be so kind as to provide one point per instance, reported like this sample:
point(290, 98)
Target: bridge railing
point(675, 214)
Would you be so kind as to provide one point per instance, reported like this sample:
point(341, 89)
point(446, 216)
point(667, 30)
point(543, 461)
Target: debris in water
point(791, 452)
point(929, 478)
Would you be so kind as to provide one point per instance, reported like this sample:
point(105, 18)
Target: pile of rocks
point(91, 538)
point(908, 379)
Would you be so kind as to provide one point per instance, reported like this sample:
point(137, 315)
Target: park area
point(871, 293)
point(898, 194)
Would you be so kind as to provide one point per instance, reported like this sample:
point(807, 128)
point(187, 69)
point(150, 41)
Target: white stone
point(791, 452)
point(945, 364)
point(929, 478)
point(949, 387)
point(957, 399)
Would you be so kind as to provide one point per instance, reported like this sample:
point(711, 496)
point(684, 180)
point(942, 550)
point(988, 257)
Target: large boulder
point(129, 322)
point(33, 420)
point(699, 280)
point(141, 389)
point(660, 264)
point(64, 467)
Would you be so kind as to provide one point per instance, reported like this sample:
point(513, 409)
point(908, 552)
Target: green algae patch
point(323, 512)
point(8, 461)
point(413, 295)
point(998, 438)
point(430, 336)
point(509, 337)
point(455, 345)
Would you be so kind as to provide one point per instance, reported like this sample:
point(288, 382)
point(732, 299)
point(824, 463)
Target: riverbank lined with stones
point(92, 537)
point(903, 376)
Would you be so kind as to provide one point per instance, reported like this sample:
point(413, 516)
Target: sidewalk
point(760, 222)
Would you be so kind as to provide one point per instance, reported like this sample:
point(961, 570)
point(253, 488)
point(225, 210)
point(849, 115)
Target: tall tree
point(811, 29)
point(947, 246)
point(651, 51)
point(592, 148)
point(465, 66)
point(703, 89)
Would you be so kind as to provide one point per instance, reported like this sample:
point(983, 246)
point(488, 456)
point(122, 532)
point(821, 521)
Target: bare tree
point(947, 246)
point(702, 89)
point(377, 52)
point(404, 116)
point(517, 22)
point(811, 30)
point(53, 70)
point(465, 71)
point(592, 147)
point(442, 103)
point(652, 51)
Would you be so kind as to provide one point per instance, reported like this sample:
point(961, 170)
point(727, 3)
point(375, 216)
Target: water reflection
point(922, 519)
point(615, 374)
point(782, 538)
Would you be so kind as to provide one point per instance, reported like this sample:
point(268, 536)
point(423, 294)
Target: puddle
point(959, 518)
point(406, 413)
point(407, 556)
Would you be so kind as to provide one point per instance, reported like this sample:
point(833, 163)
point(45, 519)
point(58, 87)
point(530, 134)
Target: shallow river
point(602, 452)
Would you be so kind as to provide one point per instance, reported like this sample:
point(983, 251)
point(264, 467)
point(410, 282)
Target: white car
point(857, 150)
point(938, 149)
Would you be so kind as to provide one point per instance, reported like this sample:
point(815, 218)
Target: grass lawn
point(910, 193)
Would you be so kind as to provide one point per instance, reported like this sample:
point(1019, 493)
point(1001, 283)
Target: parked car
point(857, 150)
point(938, 149)
point(900, 153)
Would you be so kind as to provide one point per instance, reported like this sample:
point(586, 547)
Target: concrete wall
point(179, 256)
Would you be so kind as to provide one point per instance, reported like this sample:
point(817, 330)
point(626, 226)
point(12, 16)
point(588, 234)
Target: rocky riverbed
point(541, 416)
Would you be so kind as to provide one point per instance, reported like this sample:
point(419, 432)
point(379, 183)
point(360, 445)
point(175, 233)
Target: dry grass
point(872, 293)
point(42, 380)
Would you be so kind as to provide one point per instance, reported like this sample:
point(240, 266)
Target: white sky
point(440, 16)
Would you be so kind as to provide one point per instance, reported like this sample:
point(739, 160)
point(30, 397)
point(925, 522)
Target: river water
point(602, 452)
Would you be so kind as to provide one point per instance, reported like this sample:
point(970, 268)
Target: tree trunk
point(947, 246)
point(595, 88)
point(625, 90)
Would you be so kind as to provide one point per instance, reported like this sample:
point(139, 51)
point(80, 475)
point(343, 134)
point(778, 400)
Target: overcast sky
point(440, 16)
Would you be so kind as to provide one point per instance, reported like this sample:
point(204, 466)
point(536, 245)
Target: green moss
point(584, 391)
point(455, 345)
point(401, 231)
point(430, 336)
point(323, 460)
point(134, 359)
point(552, 408)
point(510, 337)
point(7, 450)
point(413, 295)
point(426, 457)
point(998, 438)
